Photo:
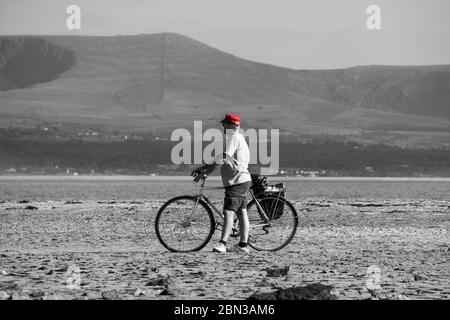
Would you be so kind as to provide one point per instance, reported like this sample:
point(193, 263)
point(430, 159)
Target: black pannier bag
point(262, 189)
point(259, 184)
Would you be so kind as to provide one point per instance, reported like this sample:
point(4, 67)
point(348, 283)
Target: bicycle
point(187, 223)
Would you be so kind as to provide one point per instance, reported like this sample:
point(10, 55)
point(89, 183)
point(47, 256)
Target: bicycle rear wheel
point(184, 224)
point(276, 233)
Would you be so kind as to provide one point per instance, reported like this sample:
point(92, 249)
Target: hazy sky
point(299, 34)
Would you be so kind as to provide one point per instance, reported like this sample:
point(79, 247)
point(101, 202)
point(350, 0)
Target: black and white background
point(91, 91)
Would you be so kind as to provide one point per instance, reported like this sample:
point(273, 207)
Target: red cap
point(233, 119)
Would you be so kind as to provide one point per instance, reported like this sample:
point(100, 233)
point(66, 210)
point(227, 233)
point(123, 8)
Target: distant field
point(162, 187)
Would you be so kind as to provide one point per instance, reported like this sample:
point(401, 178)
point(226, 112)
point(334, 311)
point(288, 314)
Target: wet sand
point(118, 255)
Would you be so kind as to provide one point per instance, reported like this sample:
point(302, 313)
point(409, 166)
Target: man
point(236, 180)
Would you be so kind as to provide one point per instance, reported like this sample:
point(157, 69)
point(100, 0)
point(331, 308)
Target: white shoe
point(241, 249)
point(220, 247)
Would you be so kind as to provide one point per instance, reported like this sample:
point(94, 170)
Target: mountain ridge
point(165, 80)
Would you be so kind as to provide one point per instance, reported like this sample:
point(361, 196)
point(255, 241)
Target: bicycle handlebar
point(203, 179)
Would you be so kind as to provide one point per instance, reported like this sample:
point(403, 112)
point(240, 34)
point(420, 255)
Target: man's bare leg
point(244, 225)
point(227, 224)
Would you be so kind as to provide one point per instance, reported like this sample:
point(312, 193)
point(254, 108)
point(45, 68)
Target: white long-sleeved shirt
point(234, 169)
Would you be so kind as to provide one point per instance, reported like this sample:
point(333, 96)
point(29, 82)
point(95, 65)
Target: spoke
point(185, 225)
point(276, 233)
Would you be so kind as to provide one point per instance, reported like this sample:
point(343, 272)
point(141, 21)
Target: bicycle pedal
point(235, 233)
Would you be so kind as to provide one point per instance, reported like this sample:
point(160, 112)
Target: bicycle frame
point(200, 195)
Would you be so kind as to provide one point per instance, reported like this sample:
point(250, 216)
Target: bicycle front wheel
point(278, 231)
point(184, 224)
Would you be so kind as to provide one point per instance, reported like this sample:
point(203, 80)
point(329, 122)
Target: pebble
point(172, 291)
point(37, 294)
point(4, 295)
point(139, 292)
point(277, 272)
point(161, 281)
point(110, 295)
point(418, 277)
point(314, 291)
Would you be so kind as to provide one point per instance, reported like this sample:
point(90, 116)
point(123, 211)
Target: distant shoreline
point(212, 178)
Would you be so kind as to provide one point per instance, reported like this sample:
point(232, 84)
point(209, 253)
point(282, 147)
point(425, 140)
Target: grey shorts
point(236, 196)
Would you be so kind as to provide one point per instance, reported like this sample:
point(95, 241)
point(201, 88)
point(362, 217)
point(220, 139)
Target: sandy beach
point(108, 250)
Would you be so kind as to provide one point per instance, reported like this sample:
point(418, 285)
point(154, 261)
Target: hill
point(157, 82)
